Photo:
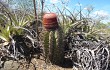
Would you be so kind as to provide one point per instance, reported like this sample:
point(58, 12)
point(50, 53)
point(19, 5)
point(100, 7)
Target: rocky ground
point(38, 64)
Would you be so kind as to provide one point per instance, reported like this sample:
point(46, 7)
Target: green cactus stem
point(46, 45)
point(59, 48)
point(53, 45)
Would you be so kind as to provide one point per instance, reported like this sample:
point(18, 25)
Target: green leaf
point(3, 38)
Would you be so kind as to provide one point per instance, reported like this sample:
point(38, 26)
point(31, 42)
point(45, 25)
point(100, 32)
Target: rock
point(10, 65)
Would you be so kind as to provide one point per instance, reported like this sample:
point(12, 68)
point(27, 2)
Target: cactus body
point(46, 45)
point(54, 48)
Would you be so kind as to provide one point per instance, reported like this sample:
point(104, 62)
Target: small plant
point(53, 40)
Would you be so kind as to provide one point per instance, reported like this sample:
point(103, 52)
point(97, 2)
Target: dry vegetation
point(77, 44)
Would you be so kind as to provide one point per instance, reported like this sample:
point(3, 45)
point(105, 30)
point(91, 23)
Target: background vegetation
point(80, 39)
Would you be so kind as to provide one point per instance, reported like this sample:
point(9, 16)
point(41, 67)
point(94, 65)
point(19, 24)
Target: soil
point(38, 64)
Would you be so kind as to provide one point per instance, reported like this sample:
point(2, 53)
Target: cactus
point(59, 49)
point(53, 45)
point(46, 45)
